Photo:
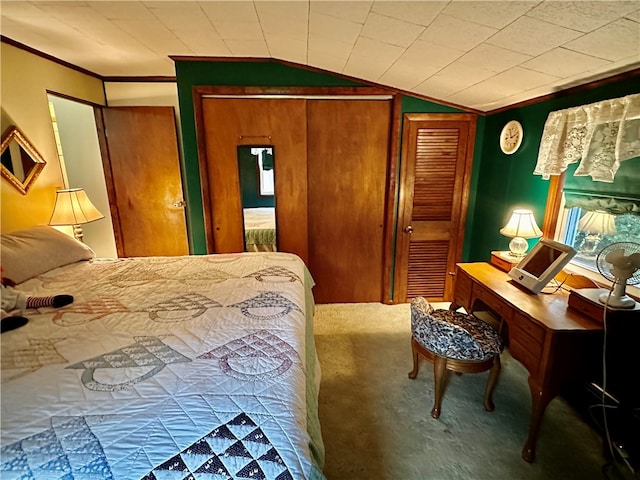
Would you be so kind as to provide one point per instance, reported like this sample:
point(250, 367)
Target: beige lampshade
point(597, 223)
point(521, 224)
point(73, 207)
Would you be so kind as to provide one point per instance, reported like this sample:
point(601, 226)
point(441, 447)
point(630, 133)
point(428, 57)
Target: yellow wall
point(25, 79)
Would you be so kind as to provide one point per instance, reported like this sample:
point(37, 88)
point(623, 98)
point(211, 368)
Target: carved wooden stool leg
point(439, 369)
point(416, 360)
point(491, 384)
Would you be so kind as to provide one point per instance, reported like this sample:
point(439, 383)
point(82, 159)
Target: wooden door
point(347, 170)
point(437, 153)
point(142, 171)
point(228, 123)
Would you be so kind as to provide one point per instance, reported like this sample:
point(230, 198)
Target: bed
point(260, 229)
point(161, 368)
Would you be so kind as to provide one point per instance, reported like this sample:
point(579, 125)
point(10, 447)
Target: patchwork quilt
point(199, 367)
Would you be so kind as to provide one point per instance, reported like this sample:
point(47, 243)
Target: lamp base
point(78, 233)
point(518, 247)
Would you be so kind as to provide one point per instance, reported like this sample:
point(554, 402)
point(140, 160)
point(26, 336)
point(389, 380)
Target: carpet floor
point(376, 422)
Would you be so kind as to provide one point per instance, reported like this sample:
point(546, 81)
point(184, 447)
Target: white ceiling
point(481, 55)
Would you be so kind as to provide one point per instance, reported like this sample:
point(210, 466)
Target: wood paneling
point(281, 123)
point(437, 152)
point(348, 163)
point(142, 168)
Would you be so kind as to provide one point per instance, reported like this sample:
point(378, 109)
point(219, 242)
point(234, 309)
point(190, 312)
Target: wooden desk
point(553, 342)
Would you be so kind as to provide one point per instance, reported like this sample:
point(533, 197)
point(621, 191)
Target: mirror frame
point(13, 133)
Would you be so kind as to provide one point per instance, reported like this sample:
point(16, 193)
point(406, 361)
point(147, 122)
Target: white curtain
point(599, 135)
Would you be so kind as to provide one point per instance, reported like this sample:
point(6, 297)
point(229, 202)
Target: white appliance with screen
point(541, 264)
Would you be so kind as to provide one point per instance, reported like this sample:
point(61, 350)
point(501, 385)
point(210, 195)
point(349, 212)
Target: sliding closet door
point(347, 167)
point(437, 152)
point(279, 123)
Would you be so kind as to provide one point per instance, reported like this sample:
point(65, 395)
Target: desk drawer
point(492, 301)
point(463, 289)
point(529, 326)
point(524, 351)
point(526, 339)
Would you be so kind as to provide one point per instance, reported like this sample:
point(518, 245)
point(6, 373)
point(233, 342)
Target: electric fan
point(619, 263)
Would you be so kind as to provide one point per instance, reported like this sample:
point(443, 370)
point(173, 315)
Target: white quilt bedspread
point(164, 368)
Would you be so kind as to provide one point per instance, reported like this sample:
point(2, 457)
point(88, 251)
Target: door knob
point(179, 204)
point(409, 229)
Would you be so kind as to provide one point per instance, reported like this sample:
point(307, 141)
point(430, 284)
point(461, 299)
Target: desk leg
point(539, 401)
point(454, 306)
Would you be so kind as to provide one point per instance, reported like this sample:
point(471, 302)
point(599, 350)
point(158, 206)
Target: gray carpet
point(376, 422)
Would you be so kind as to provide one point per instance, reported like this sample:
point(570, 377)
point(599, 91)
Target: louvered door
point(437, 152)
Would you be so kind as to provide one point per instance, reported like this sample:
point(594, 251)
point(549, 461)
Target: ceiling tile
point(520, 79)
point(355, 11)
point(154, 36)
point(455, 33)
point(247, 48)
point(431, 55)
point(493, 58)
point(332, 28)
point(278, 17)
point(117, 10)
point(377, 51)
point(583, 16)
point(234, 20)
point(287, 48)
point(614, 41)
point(454, 78)
point(389, 30)
point(532, 37)
point(407, 74)
point(561, 62)
point(180, 15)
point(328, 54)
point(420, 13)
point(495, 14)
point(364, 67)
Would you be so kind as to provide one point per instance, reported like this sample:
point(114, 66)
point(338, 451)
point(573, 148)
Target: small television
point(541, 264)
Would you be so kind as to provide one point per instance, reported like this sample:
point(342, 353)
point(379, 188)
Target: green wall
point(507, 181)
point(499, 182)
point(267, 73)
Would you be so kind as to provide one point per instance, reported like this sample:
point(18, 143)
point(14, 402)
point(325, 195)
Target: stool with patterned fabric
point(453, 341)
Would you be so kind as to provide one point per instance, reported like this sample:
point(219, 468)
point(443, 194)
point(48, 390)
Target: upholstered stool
point(453, 341)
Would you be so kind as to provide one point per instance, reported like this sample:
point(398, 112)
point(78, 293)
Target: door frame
point(201, 92)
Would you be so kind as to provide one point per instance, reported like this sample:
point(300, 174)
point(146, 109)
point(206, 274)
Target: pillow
point(30, 252)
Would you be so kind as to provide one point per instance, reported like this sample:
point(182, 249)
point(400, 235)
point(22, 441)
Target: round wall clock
point(511, 137)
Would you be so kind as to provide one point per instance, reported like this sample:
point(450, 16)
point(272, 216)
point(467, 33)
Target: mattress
point(165, 368)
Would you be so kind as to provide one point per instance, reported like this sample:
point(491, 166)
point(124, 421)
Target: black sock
point(11, 323)
point(62, 300)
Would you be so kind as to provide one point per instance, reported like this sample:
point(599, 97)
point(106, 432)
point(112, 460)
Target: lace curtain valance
point(599, 136)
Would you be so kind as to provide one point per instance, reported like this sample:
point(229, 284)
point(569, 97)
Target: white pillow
point(30, 252)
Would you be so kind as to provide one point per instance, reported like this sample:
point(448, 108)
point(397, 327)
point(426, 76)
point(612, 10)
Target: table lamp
point(73, 207)
point(520, 226)
point(595, 225)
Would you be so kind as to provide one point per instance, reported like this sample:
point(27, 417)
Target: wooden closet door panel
point(277, 122)
point(142, 168)
point(347, 161)
point(437, 151)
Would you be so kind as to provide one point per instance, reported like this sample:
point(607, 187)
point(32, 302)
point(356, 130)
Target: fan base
point(625, 301)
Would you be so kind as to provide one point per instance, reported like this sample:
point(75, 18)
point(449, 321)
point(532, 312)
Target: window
point(265, 170)
point(590, 231)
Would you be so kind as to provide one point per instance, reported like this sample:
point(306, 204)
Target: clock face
point(511, 137)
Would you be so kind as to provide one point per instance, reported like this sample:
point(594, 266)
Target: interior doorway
point(74, 127)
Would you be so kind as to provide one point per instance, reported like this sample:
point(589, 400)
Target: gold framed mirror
point(21, 162)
